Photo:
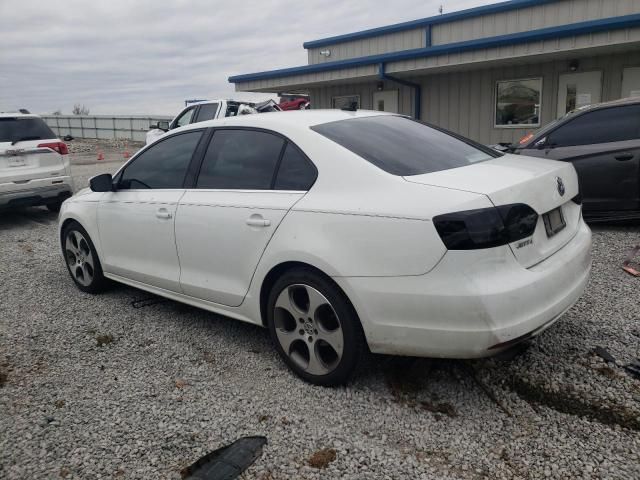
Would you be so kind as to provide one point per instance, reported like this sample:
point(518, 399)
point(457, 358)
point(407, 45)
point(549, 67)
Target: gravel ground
point(96, 388)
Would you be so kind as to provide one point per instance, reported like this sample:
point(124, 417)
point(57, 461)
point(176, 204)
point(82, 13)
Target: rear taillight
point(486, 227)
point(59, 147)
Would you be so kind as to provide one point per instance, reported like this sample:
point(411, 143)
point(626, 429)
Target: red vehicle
point(294, 101)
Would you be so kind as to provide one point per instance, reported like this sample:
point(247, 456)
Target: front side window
point(615, 124)
point(401, 146)
point(163, 165)
point(207, 112)
point(518, 102)
point(240, 159)
point(295, 172)
point(185, 118)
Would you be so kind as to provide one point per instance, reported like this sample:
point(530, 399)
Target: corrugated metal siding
point(321, 96)
point(464, 101)
point(304, 81)
point(392, 42)
point(551, 14)
point(568, 44)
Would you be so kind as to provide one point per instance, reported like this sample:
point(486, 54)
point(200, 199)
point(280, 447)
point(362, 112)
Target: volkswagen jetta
point(339, 231)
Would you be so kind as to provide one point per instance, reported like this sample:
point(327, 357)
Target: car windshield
point(401, 146)
point(13, 129)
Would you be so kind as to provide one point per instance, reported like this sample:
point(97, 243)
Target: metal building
point(492, 73)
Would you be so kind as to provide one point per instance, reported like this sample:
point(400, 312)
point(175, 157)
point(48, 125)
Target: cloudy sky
point(146, 57)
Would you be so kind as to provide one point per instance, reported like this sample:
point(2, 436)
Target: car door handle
point(163, 213)
point(624, 157)
point(257, 221)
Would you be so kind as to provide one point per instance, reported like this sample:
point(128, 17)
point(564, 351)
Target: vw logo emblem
point(561, 188)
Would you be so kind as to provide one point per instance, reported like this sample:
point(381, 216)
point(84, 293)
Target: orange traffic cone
point(100, 155)
point(126, 150)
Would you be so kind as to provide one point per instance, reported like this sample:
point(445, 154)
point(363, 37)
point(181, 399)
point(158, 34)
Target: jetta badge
point(561, 188)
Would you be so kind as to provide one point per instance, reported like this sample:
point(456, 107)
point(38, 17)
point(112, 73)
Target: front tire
point(82, 259)
point(314, 327)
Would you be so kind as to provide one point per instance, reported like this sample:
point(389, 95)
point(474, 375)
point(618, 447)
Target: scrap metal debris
point(228, 462)
point(147, 302)
point(605, 355)
point(629, 266)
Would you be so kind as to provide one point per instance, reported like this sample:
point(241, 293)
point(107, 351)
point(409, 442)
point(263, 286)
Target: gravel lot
point(92, 387)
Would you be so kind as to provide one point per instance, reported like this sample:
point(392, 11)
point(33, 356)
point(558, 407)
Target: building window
point(518, 102)
point(346, 101)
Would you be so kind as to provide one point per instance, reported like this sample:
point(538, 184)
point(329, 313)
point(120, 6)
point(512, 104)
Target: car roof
point(295, 118)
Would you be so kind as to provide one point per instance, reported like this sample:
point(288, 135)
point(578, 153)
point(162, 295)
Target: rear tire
point(314, 327)
point(82, 259)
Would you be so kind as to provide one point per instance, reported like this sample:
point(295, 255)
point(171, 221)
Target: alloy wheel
point(308, 329)
point(79, 258)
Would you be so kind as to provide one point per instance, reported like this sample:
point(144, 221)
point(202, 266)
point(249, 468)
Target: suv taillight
point(486, 227)
point(59, 147)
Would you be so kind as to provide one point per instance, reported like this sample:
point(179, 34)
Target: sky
point(146, 57)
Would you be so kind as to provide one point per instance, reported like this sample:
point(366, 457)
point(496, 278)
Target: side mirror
point(540, 144)
point(163, 125)
point(102, 183)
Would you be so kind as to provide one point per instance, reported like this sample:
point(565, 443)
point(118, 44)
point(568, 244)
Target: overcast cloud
point(139, 56)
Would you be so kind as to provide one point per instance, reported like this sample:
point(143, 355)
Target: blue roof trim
point(591, 26)
point(423, 22)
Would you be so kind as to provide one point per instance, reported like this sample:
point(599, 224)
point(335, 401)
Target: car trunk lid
point(547, 186)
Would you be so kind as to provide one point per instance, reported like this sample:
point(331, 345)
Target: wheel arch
point(280, 269)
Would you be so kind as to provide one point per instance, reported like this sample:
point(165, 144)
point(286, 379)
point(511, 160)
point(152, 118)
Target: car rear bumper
point(35, 192)
point(472, 304)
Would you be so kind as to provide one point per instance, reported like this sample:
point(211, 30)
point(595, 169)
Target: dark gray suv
point(603, 143)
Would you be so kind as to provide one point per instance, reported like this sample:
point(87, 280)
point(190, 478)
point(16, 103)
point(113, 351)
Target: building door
point(577, 90)
point(631, 82)
point(386, 101)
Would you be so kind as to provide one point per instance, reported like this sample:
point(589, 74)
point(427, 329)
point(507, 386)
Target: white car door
point(136, 222)
point(248, 181)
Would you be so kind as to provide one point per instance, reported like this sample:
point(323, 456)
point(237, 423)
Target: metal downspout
point(416, 86)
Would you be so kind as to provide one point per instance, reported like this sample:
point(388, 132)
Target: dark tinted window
point(601, 126)
point(207, 112)
point(15, 128)
point(401, 146)
point(295, 172)
point(164, 165)
point(240, 159)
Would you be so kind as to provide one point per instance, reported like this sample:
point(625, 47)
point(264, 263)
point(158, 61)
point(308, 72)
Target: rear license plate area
point(554, 221)
point(16, 162)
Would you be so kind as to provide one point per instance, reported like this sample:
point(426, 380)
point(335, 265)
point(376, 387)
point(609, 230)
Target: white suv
point(34, 164)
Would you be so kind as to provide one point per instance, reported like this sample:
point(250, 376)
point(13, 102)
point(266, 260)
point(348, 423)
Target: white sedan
point(339, 231)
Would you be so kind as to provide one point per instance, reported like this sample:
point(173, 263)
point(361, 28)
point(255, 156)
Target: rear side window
point(207, 112)
point(295, 172)
point(163, 165)
point(240, 159)
point(13, 129)
point(600, 126)
point(401, 146)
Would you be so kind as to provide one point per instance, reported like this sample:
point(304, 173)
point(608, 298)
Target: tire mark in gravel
point(565, 402)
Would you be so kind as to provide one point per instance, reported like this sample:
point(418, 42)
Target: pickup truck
point(208, 110)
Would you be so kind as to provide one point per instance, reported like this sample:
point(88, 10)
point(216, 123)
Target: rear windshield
point(401, 146)
point(14, 129)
